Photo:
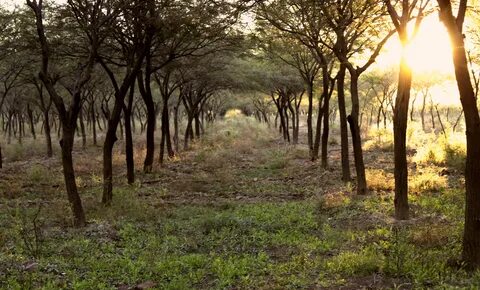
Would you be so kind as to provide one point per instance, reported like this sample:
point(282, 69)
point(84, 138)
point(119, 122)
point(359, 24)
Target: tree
point(90, 19)
point(283, 46)
point(454, 25)
point(353, 23)
point(400, 116)
point(304, 21)
point(184, 29)
point(128, 45)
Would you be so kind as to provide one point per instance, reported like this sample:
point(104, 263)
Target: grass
point(240, 211)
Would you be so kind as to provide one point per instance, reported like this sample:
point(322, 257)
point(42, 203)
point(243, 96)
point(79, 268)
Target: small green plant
point(427, 180)
point(29, 230)
point(38, 173)
point(397, 251)
point(364, 262)
point(277, 159)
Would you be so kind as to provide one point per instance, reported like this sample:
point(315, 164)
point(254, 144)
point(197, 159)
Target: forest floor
point(241, 210)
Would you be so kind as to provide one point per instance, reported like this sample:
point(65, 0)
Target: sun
point(430, 50)
point(429, 54)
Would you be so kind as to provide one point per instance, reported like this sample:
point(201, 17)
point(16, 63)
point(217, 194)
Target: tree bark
point(175, 125)
point(471, 235)
point(326, 129)
point(356, 137)
point(127, 115)
point(48, 137)
point(94, 122)
point(310, 117)
point(318, 129)
point(400, 119)
point(343, 123)
point(146, 93)
point(82, 129)
point(422, 112)
point(110, 139)
point(66, 144)
point(32, 122)
point(166, 139)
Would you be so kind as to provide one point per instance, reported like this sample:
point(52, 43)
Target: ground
point(241, 210)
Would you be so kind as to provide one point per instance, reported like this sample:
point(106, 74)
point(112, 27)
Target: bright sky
point(429, 53)
point(22, 2)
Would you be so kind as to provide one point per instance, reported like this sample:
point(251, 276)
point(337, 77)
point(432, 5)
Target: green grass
point(265, 223)
point(283, 245)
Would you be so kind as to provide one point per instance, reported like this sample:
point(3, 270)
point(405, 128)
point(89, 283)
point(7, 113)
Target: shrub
point(449, 151)
point(364, 262)
point(427, 180)
point(378, 180)
point(380, 139)
point(38, 173)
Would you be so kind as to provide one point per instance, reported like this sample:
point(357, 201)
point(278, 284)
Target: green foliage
point(349, 263)
point(448, 151)
point(38, 173)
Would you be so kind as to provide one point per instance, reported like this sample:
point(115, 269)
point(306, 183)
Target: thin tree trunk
point(175, 127)
point(32, 122)
point(343, 124)
point(110, 139)
point(326, 129)
point(310, 117)
point(432, 115)
point(471, 235)
point(127, 115)
point(318, 129)
point(422, 112)
point(94, 123)
point(400, 147)
point(66, 144)
point(188, 132)
point(356, 137)
point(82, 128)
point(48, 137)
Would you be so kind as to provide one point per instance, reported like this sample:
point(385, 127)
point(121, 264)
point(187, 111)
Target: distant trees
point(342, 29)
point(282, 46)
point(92, 60)
point(304, 23)
point(353, 28)
point(380, 86)
point(182, 29)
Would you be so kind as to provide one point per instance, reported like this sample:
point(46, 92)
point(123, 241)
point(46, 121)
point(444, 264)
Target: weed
point(426, 180)
point(364, 262)
point(379, 180)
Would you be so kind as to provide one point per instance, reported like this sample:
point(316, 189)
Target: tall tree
point(400, 116)
point(184, 29)
point(129, 43)
point(454, 25)
point(353, 24)
point(89, 19)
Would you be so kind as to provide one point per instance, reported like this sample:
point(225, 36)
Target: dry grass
point(431, 235)
point(379, 180)
point(426, 180)
point(379, 139)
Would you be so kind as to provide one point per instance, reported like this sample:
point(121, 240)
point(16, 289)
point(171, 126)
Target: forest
point(239, 144)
